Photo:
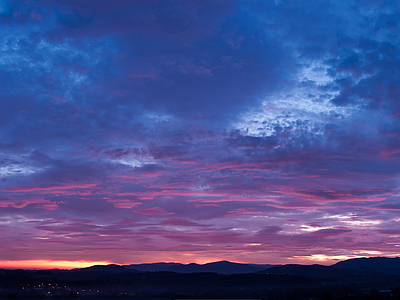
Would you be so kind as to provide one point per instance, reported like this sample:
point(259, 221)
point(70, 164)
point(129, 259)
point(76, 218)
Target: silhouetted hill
point(106, 268)
point(312, 271)
point(96, 272)
point(296, 282)
point(390, 266)
point(153, 267)
point(221, 267)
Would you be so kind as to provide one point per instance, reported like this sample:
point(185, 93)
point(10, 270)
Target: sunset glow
point(48, 264)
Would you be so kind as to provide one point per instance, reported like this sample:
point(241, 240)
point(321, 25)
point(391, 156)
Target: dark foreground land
point(289, 282)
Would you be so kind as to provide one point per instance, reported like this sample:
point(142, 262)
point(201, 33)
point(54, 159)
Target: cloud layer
point(194, 131)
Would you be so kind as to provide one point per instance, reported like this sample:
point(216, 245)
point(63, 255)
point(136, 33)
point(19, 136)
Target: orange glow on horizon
point(49, 264)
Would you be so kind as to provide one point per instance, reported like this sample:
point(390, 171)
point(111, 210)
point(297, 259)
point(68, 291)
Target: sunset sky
point(196, 131)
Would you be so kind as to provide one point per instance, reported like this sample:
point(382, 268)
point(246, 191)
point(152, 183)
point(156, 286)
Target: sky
point(198, 131)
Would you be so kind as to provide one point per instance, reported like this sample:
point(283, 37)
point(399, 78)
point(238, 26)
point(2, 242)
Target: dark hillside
point(390, 266)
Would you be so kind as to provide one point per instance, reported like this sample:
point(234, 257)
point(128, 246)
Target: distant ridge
point(152, 267)
point(376, 266)
point(112, 268)
point(312, 271)
point(390, 266)
point(221, 267)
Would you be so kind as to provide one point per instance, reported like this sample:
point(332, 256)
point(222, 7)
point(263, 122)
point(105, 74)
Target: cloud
point(153, 211)
point(50, 188)
point(5, 9)
point(179, 222)
point(217, 125)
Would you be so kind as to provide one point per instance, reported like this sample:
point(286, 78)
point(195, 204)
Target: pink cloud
point(206, 205)
point(389, 152)
point(150, 174)
point(40, 203)
point(154, 211)
point(36, 16)
point(124, 203)
point(188, 162)
point(242, 211)
point(48, 206)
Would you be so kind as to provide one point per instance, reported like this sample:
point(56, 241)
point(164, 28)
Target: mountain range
point(223, 279)
point(221, 267)
point(350, 267)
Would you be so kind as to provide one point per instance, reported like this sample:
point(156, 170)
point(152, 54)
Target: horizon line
point(70, 265)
